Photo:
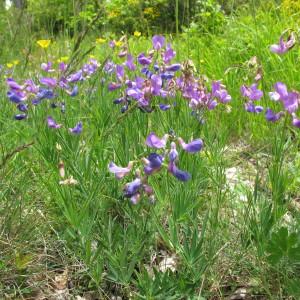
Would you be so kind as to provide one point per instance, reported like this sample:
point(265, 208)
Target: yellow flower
point(9, 65)
point(16, 62)
point(63, 59)
point(137, 33)
point(44, 43)
point(100, 41)
point(92, 56)
point(118, 44)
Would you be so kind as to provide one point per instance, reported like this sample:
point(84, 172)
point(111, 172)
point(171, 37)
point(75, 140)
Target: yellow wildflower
point(44, 43)
point(137, 33)
point(9, 65)
point(16, 62)
point(63, 59)
point(100, 41)
point(118, 44)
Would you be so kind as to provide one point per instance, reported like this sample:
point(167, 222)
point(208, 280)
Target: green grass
point(219, 237)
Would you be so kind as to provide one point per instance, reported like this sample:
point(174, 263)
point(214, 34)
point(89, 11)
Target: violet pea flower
point(50, 82)
point(158, 42)
point(132, 188)
point(283, 46)
point(129, 63)
point(120, 172)
point(192, 147)
point(143, 60)
point(252, 92)
point(173, 68)
point(77, 129)
point(173, 154)
point(20, 117)
point(271, 116)
point(169, 54)
point(154, 141)
point(52, 124)
point(296, 122)
point(179, 174)
point(153, 163)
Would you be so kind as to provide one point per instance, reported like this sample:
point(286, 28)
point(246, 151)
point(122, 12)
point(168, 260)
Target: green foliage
point(284, 245)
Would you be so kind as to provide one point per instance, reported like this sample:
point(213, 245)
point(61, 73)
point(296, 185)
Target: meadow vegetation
point(150, 160)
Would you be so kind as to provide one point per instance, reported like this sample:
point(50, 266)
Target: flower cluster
point(155, 77)
point(31, 94)
point(166, 157)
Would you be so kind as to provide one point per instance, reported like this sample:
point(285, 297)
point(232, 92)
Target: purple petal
point(120, 172)
point(155, 142)
point(132, 188)
point(77, 129)
point(296, 122)
point(75, 77)
point(179, 174)
point(192, 147)
point(271, 116)
point(50, 82)
point(20, 117)
point(173, 68)
point(52, 124)
point(143, 60)
point(12, 84)
point(158, 42)
point(164, 107)
point(173, 155)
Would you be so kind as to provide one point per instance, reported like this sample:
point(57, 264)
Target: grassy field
point(230, 232)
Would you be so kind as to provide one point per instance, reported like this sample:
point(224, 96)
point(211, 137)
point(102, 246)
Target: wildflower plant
point(165, 157)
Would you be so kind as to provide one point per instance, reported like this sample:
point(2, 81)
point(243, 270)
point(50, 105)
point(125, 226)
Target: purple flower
point(169, 54)
point(164, 107)
point(52, 124)
point(219, 92)
point(75, 77)
point(158, 42)
point(273, 117)
point(50, 82)
point(173, 154)
point(135, 199)
point(282, 47)
point(132, 188)
point(129, 63)
point(114, 86)
point(280, 93)
point(47, 67)
point(22, 107)
point(13, 85)
point(16, 96)
point(153, 163)
point(73, 92)
point(120, 172)
point(156, 83)
point(143, 60)
point(291, 102)
point(179, 174)
point(20, 117)
point(173, 68)
point(31, 87)
point(252, 92)
point(120, 72)
point(62, 67)
point(192, 147)
point(77, 129)
point(296, 122)
point(250, 107)
point(155, 142)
